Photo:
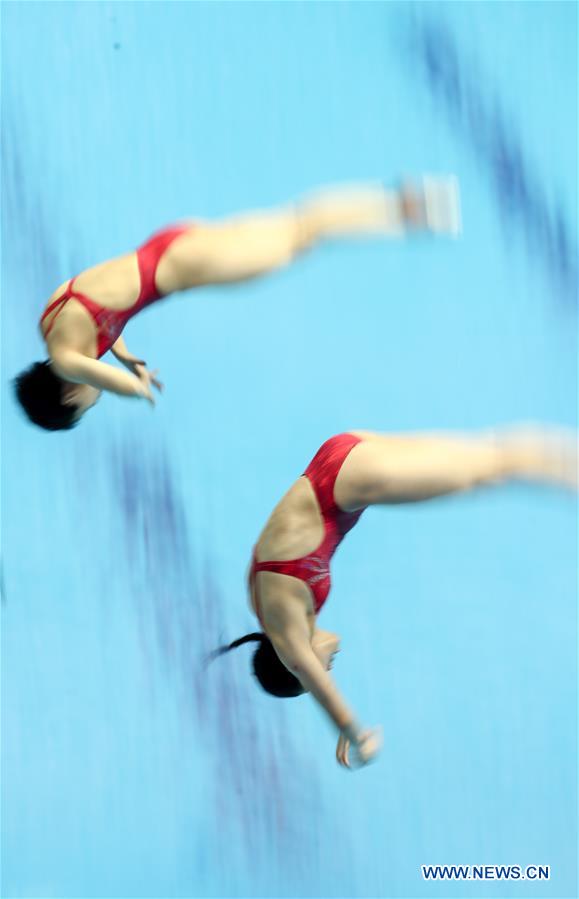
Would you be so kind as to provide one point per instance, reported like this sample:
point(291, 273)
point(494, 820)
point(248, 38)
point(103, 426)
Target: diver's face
point(325, 645)
point(83, 396)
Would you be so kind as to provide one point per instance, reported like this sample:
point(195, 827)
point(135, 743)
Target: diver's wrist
point(352, 732)
point(140, 388)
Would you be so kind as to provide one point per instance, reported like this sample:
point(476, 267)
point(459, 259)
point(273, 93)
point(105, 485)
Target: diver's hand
point(365, 747)
point(147, 380)
point(368, 746)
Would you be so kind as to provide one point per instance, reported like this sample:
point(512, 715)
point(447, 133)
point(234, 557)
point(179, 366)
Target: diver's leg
point(253, 244)
point(414, 468)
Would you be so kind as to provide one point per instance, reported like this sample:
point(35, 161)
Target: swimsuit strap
point(61, 301)
point(273, 565)
point(270, 565)
point(312, 569)
point(93, 308)
point(252, 572)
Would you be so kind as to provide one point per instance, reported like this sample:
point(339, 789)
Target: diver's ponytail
point(256, 637)
point(267, 667)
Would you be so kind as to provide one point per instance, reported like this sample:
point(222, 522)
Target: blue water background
point(128, 769)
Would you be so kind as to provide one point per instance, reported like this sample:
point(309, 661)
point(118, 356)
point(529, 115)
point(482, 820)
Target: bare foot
point(412, 206)
point(542, 453)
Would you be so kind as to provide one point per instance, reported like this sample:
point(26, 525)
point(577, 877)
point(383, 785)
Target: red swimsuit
point(110, 322)
point(314, 569)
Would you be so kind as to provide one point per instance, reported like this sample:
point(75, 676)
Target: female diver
point(85, 316)
point(289, 576)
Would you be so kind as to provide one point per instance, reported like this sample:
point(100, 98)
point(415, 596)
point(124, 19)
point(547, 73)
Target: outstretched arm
point(291, 640)
point(299, 658)
point(121, 352)
point(137, 366)
point(295, 651)
point(74, 366)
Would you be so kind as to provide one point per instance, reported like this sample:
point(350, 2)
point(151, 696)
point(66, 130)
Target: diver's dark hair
point(39, 392)
point(269, 670)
